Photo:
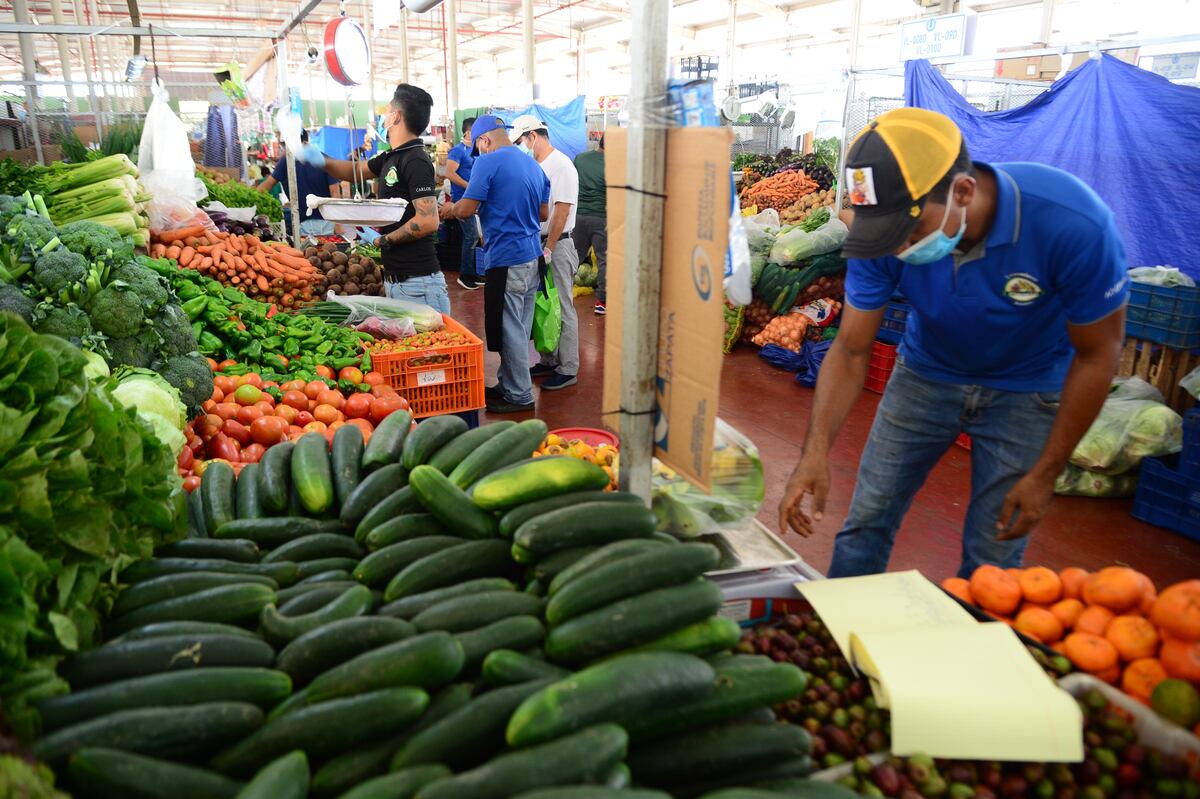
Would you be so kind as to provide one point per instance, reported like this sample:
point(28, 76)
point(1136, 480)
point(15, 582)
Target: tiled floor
point(772, 410)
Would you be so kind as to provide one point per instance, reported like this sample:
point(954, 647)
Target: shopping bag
point(547, 316)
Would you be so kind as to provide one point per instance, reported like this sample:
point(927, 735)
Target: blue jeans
point(917, 421)
point(427, 289)
point(519, 293)
point(470, 233)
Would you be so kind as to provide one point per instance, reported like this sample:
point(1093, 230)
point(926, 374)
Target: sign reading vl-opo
point(937, 37)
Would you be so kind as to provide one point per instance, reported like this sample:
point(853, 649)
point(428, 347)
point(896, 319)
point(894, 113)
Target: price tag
point(431, 378)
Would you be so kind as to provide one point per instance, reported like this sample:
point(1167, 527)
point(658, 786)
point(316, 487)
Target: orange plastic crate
point(449, 381)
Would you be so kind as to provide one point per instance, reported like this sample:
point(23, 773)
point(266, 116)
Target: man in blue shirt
point(511, 194)
point(1017, 281)
point(310, 180)
point(458, 171)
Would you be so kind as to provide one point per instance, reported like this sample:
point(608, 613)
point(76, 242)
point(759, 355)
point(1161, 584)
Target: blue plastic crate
point(895, 318)
point(1167, 498)
point(1189, 458)
point(1164, 314)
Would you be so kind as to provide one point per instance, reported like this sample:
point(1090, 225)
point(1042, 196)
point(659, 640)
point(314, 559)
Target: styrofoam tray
point(358, 212)
point(1152, 730)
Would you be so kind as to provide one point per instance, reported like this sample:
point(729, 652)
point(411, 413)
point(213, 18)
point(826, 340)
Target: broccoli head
point(33, 231)
point(173, 326)
point(13, 300)
point(146, 283)
point(59, 269)
point(116, 312)
point(94, 241)
point(193, 377)
point(140, 350)
point(69, 322)
point(10, 207)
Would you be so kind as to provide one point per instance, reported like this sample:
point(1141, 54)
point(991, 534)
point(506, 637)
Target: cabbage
point(1155, 430)
point(156, 401)
point(96, 367)
point(1127, 430)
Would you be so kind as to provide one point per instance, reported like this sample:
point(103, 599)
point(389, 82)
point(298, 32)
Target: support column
point(85, 59)
point(452, 41)
point(404, 45)
point(64, 56)
point(730, 43)
point(527, 45)
point(1047, 21)
point(29, 74)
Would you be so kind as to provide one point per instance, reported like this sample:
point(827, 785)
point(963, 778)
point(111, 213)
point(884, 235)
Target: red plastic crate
point(440, 380)
point(883, 361)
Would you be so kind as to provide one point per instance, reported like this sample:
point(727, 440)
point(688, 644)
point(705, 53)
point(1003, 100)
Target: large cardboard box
point(691, 323)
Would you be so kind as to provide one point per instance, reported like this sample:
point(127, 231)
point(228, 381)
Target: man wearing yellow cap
point(1016, 276)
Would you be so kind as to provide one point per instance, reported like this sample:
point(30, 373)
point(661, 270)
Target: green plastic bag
point(547, 316)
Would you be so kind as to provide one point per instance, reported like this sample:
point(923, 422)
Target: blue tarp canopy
point(1133, 136)
point(567, 124)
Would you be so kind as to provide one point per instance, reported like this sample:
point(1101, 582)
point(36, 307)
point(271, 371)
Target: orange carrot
point(169, 236)
point(186, 255)
point(158, 251)
point(173, 252)
point(263, 285)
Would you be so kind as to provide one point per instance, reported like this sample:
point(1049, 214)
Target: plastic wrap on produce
point(1191, 382)
point(796, 245)
point(424, 319)
point(1133, 424)
point(1082, 483)
point(386, 328)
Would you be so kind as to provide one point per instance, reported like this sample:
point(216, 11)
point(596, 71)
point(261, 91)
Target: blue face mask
point(525, 150)
point(937, 245)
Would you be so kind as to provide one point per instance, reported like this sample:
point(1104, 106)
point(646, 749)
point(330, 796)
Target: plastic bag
point(547, 316)
point(1133, 424)
point(1082, 483)
point(423, 318)
point(167, 171)
point(734, 317)
point(737, 261)
point(1160, 276)
point(386, 328)
point(812, 355)
point(794, 245)
point(787, 331)
point(761, 230)
point(1191, 382)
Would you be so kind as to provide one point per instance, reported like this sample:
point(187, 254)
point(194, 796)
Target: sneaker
point(468, 283)
point(559, 381)
point(541, 370)
point(493, 392)
point(504, 406)
point(598, 309)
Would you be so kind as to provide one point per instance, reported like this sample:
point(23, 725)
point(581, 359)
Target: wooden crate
point(1161, 367)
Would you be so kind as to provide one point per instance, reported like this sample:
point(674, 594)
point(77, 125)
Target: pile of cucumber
point(433, 614)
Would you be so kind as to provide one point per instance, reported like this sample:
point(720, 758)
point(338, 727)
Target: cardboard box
point(28, 155)
point(691, 324)
point(1044, 67)
point(1129, 55)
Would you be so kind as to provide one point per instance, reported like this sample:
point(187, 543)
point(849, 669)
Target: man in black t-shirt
point(410, 266)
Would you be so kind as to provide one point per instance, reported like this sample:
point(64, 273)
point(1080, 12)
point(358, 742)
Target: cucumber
point(398, 785)
point(450, 505)
point(509, 446)
point(311, 568)
point(477, 610)
point(509, 667)
point(631, 576)
point(785, 789)
point(535, 587)
point(372, 490)
point(453, 565)
point(664, 538)
point(586, 756)
point(408, 607)
point(714, 752)
point(112, 774)
point(328, 589)
point(168, 628)
point(315, 599)
point(537, 478)
point(297, 700)
point(431, 435)
point(545, 570)
point(387, 442)
point(633, 622)
point(514, 518)
point(617, 691)
point(239, 549)
point(383, 564)
point(522, 555)
point(469, 735)
point(275, 477)
point(197, 527)
point(276, 531)
point(592, 792)
point(330, 576)
point(452, 454)
point(619, 778)
point(702, 638)
point(246, 493)
point(397, 503)
point(345, 459)
point(426, 661)
point(281, 573)
point(312, 475)
point(216, 491)
point(224, 604)
point(586, 524)
point(325, 729)
point(316, 547)
point(327, 646)
point(262, 687)
point(403, 528)
point(171, 586)
point(188, 732)
point(608, 553)
point(515, 632)
point(280, 629)
point(283, 778)
point(125, 659)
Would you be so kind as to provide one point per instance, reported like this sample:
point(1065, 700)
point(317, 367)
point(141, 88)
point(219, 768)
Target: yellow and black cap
point(890, 169)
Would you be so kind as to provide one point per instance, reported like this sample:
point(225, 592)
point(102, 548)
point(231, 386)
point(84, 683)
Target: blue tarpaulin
point(1133, 136)
point(567, 124)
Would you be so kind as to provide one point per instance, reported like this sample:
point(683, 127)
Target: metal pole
point(404, 45)
point(293, 192)
point(370, 72)
point(452, 41)
point(731, 38)
point(64, 56)
point(645, 173)
point(1047, 21)
point(527, 39)
point(85, 43)
point(29, 72)
point(841, 182)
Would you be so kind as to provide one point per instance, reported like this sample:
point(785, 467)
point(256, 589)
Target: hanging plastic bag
point(167, 171)
point(547, 316)
point(795, 244)
point(737, 261)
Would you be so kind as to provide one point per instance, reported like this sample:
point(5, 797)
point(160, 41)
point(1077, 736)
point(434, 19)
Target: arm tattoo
point(425, 207)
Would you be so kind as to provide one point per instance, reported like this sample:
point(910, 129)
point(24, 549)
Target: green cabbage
point(156, 401)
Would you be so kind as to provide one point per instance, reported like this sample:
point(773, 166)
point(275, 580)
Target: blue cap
point(484, 125)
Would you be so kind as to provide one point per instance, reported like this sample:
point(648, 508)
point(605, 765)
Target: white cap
point(523, 124)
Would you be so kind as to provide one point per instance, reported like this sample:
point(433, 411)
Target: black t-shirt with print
point(406, 172)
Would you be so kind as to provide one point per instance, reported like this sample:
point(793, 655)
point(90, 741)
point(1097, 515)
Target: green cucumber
point(618, 690)
point(631, 576)
point(586, 524)
point(241, 550)
point(714, 752)
point(383, 564)
point(297, 700)
point(315, 599)
point(171, 586)
point(262, 687)
point(702, 638)
point(325, 729)
point(398, 785)
point(403, 528)
point(224, 604)
point(373, 489)
point(608, 553)
point(125, 659)
point(276, 531)
point(316, 547)
point(522, 555)
point(246, 493)
point(547, 569)
point(311, 568)
point(164, 629)
point(514, 518)
point(283, 778)
point(535, 479)
point(451, 505)
point(399, 502)
point(280, 629)
point(112, 774)
point(633, 622)
point(467, 561)
point(427, 661)
point(535, 587)
point(197, 527)
point(408, 607)
point(515, 632)
point(592, 792)
point(431, 435)
point(327, 588)
point(619, 778)
point(509, 446)
point(188, 732)
point(345, 459)
point(330, 576)
point(452, 454)
point(281, 573)
point(663, 537)
point(387, 442)
point(477, 610)
point(509, 667)
point(312, 474)
point(331, 644)
point(275, 477)
point(586, 756)
point(216, 490)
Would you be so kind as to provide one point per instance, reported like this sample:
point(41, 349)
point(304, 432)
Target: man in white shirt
point(561, 367)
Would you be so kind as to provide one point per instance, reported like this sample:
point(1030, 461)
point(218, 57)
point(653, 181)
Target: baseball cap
point(483, 126)
point(525, 123)
point(891, 167)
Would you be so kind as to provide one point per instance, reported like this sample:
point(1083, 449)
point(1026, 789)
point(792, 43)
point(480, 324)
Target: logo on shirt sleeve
point(1022, 288)
point(391, 177)
point(862, 185)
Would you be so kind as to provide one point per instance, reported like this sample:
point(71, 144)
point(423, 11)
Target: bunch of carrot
point(266, 270)
point(779, 191)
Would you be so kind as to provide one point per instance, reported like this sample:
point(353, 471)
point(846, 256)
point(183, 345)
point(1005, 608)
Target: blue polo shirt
point(461, 155)
point(510, 187)
point(997, 316)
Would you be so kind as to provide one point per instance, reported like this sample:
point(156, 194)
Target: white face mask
point(523, 148)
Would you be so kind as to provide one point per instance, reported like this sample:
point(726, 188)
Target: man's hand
point(811, 476)
point(1029, 499)
point(446, 212)
point(546, 254)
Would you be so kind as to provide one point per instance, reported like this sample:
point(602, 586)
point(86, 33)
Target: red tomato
point(211, 426)
point(294, 432)
point(267, 408)
point(351, 373)
point(287, 413)
point(253, 379)
point(381, 390)
point(218, 395)
point(328, 433)
point(325, 371)
point(267, 398)
point(326, 414)
point(191, 482)
point(237, 431)
point(247, 394)
point(283, 361)
point(296, 399)
point(331, 397)
point(382, 407)
point(270, 384)
point(373, 378)
point(292, 385)
point(248, 414)
point(366, 427)
point(304, 417)
point(224, 383)
point(186, 458)
point(226, 448)
point(208, 405)
point(212, 364)
point(196, 445)
point(315, 427)
point(358, 406)
point(315, 387)
point(339, 423)
point(226, 410)
point(269, 430)
point(225, 364)
point(253, 453)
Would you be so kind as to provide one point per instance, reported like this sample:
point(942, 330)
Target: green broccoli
point(146, 283)
point(34, 231)
point(94, 241)
point(193, 377)
point(59, 269)
point(69, 322)
point(116, 312)
point(173, 326)
point(10, 207)
point(13, 300)
point(140, 350)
